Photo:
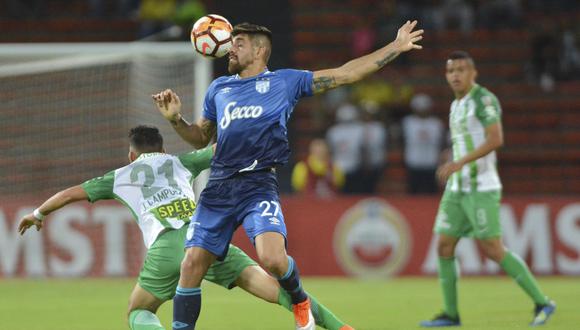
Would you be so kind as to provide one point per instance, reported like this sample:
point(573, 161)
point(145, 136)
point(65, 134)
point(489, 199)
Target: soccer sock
point(186, 308)
point(448, 282)
point(291, 283)
point(517, 269)
point(141, 319)
point(322, 315)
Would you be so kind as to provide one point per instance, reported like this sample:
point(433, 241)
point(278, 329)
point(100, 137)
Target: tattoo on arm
point(323, 83)
point(390, 56)
point(208, 128)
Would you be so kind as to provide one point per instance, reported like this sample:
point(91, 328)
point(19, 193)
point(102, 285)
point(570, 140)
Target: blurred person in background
point(423, 136)
point(453, 15)
point(392, 96)
point(317, 175)
point(346, 139)
point(545, 51)
point(155, 16)
point(374, 148)
point(364, 36)
point(470, 206)
point(499, 14)
point(186, 13)
point(570, 55)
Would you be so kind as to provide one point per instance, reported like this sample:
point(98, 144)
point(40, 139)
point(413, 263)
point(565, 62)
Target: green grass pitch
point(94, 304)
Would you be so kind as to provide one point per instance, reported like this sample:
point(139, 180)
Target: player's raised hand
point(168, 104)
point(28, 221)
point(407, 38)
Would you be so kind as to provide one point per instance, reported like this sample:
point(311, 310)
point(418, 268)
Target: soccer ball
point(211, 36)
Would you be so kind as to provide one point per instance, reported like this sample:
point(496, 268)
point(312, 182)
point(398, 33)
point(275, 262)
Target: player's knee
point(132, 306)
point(275, 264)
point(445, 249)
point(188, 263)
point(493, 252)
point(187, 267)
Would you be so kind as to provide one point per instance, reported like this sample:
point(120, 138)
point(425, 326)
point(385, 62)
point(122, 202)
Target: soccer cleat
point(346, 327)
point(303, 316)
point(542, 313)
point(441, 320)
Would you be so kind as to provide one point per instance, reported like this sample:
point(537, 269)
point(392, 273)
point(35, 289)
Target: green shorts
point(160, 272)
point(226, 272)
point(473, 214)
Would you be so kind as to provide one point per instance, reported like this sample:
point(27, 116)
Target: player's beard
point(234, 67)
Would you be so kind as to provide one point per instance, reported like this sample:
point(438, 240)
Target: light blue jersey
point(251, 116)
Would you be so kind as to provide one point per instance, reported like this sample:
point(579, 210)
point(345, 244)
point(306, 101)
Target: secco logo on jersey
point(231, 112)
point(372, 240)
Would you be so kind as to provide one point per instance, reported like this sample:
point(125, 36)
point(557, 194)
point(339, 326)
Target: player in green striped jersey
point(471, 202)
point(156, 187)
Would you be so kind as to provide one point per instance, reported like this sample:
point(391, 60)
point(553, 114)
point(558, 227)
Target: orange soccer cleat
point(303, 316)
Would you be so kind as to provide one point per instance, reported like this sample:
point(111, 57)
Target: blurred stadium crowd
point(387, 134)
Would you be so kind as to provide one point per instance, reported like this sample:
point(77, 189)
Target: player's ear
point(260, 51)
point(132, 156)
point(265, 52)
point(257, 51)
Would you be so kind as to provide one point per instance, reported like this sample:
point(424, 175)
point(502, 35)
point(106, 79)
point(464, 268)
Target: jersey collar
point(469, 94)
point(266, 71)
point(149, 154)
point(473, 89)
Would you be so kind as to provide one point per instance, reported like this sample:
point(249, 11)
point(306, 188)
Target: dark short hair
point(146, 139)
point(252, 29)
point(460, 55)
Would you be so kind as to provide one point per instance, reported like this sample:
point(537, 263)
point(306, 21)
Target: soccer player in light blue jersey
point(249, 111)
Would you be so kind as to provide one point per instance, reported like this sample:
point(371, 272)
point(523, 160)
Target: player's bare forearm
point(363, 66)
point(198, 135)
point(479, 152)
point(58, 200)
point(493, 141)
point(62, 198)
point(190, 133)
point(354, 70)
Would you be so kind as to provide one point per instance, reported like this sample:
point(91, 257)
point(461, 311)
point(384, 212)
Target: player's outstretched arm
point(58, 200)
point(198, 135)
point(361, 67)
point(493, 140)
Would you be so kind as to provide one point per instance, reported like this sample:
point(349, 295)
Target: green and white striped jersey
point(468, 119)
point(156, 187)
